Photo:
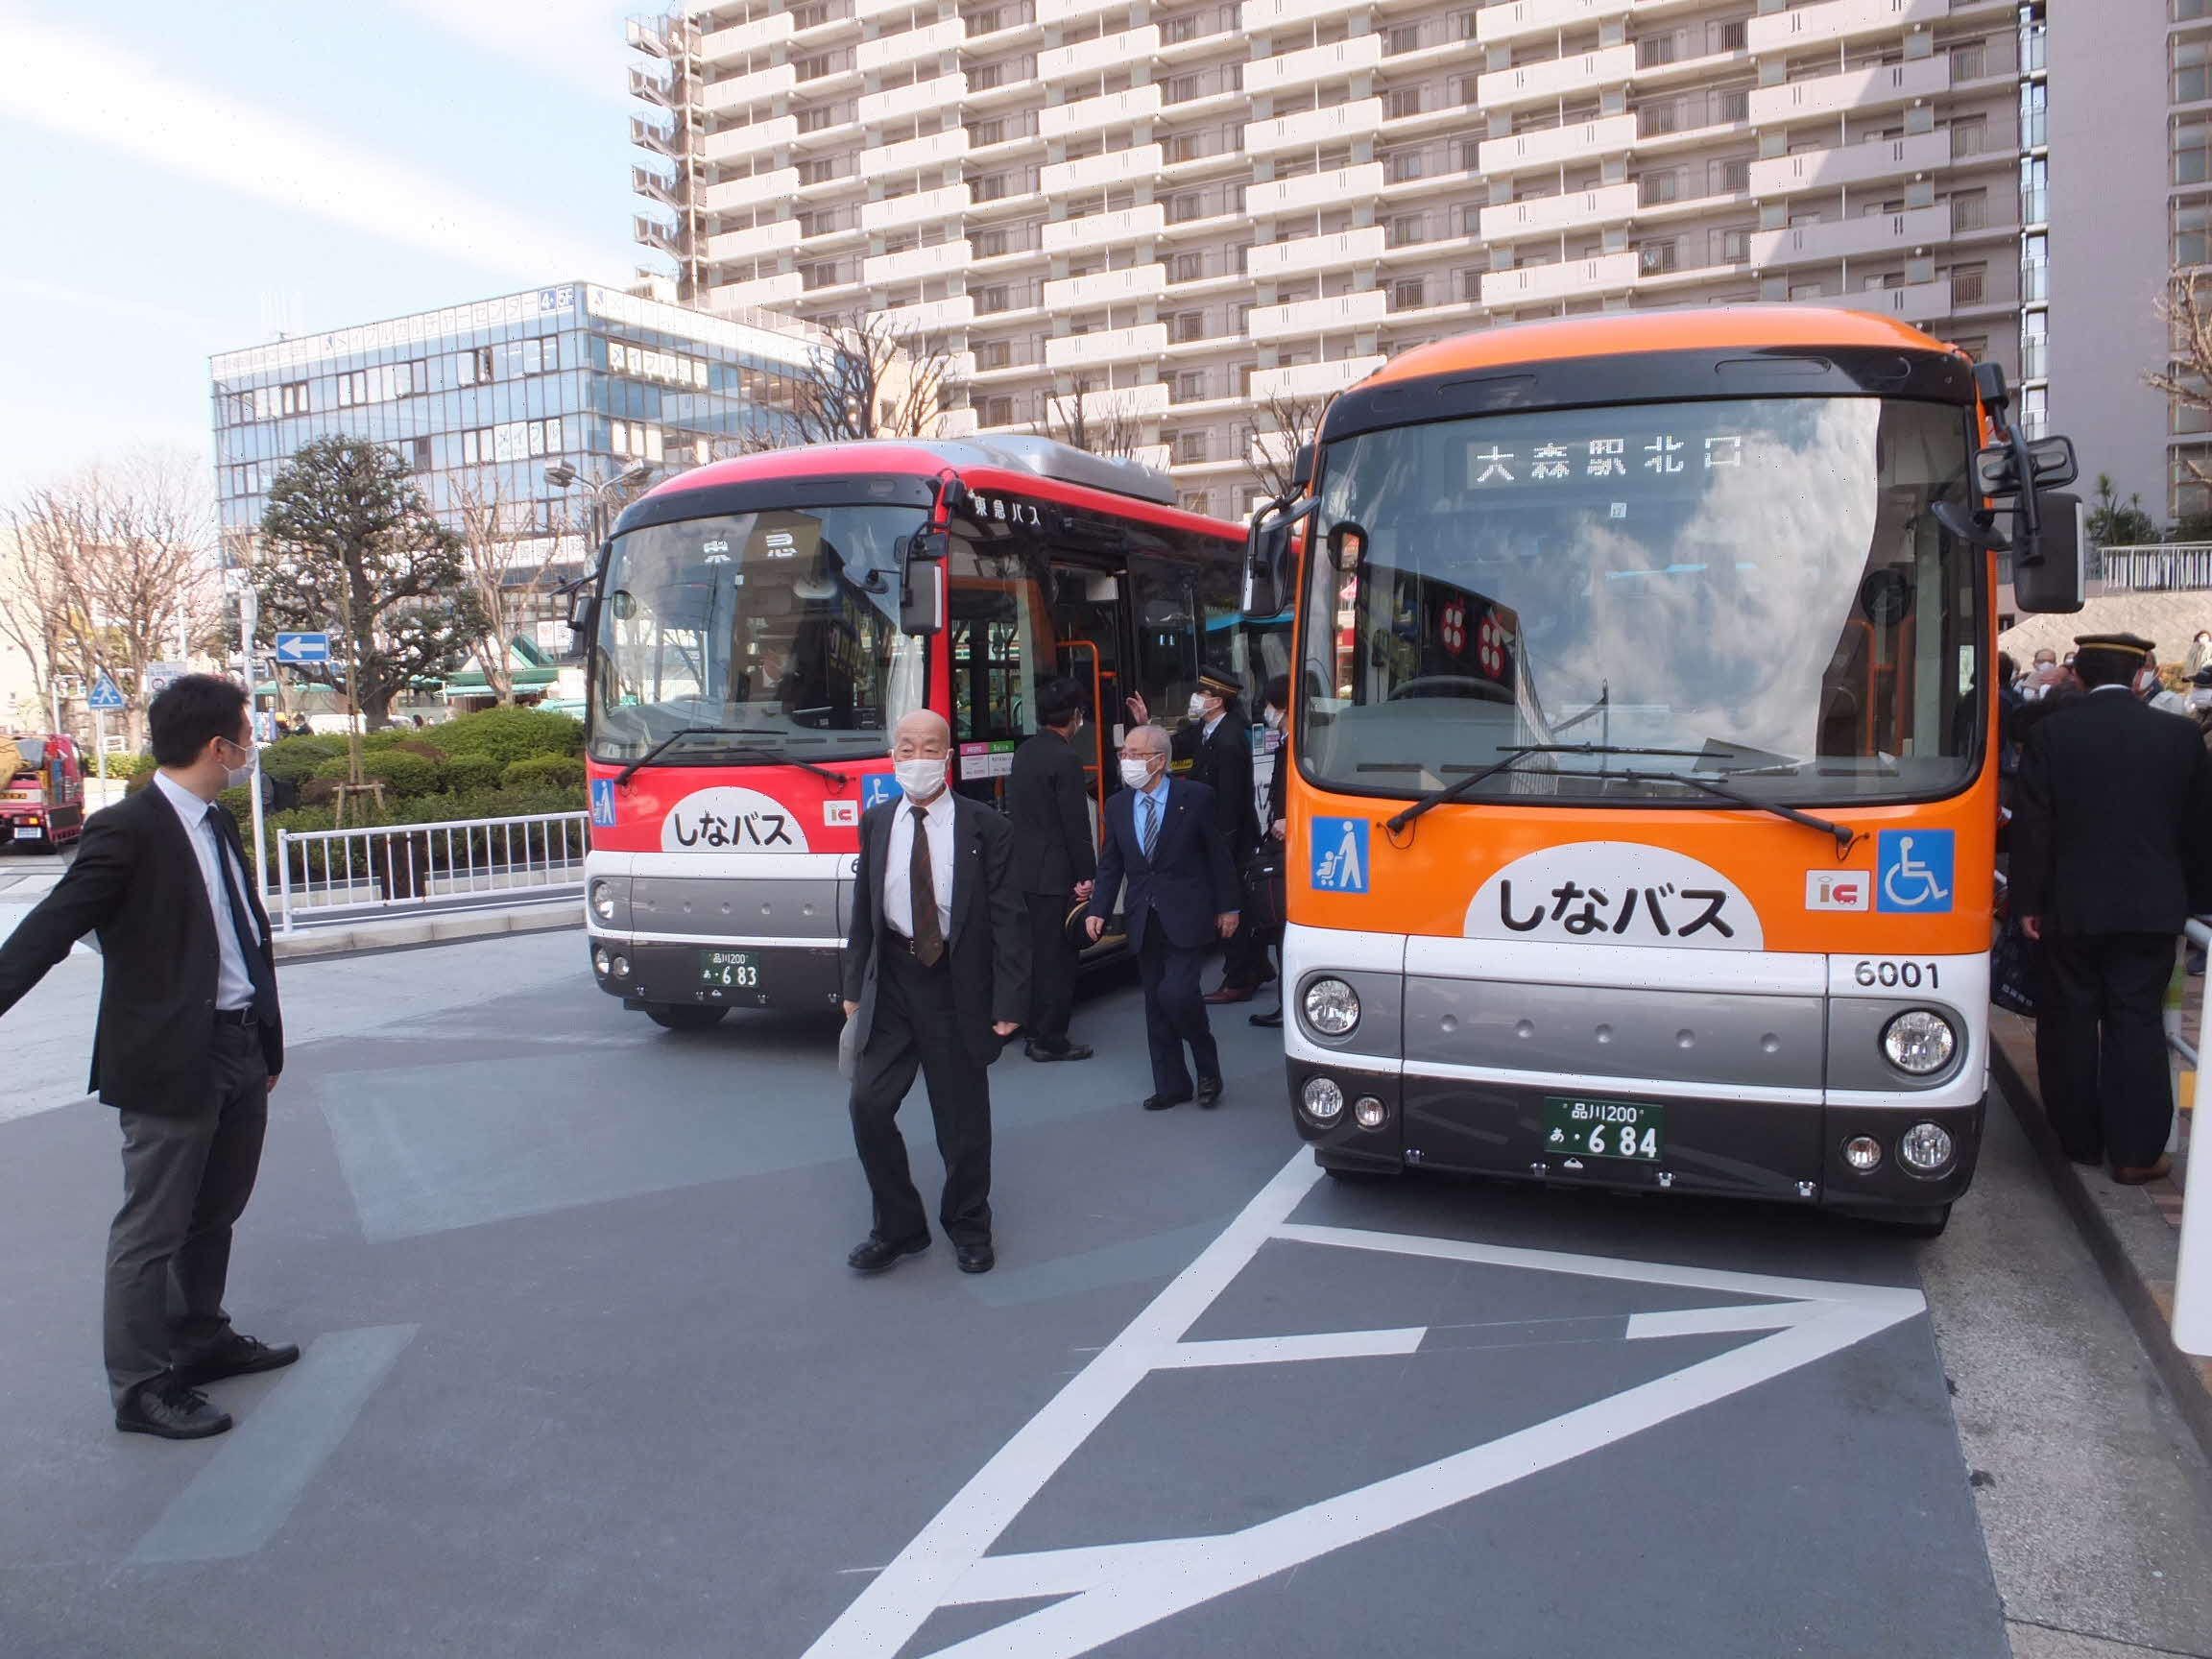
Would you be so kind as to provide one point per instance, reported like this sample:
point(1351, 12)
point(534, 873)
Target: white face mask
point(921, 779)
point(1198, 708)
point(1136, 774)
point(238, 777)
point(1274, 718)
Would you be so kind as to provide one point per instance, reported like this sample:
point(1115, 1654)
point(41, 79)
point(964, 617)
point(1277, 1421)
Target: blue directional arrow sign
point(104, 696)
point(302, 647)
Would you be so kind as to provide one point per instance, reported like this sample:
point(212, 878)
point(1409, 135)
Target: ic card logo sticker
point(727, 819)
point(1913, 872)
point(603, 803)
point(1839, 890)
point(876, 788)
point(1615, 893)
point(840, 814)
point(1339, 856)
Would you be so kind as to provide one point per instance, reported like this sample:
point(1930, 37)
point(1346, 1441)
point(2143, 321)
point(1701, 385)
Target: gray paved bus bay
point(586, 1375)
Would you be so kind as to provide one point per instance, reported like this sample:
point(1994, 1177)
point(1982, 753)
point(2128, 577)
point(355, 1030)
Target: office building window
point(2192, 69)
point(420, 454)
point(475, 366)
point(2192, 150)
point(540, 356)
point(2193, 231)
point(633, 439)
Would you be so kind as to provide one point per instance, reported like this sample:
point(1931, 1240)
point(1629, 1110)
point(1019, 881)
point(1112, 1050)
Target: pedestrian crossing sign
point(104, 696)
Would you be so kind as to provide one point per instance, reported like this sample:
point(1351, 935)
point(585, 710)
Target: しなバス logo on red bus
point(728, 818)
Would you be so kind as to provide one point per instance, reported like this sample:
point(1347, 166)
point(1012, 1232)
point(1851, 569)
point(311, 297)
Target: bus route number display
point(1490, 464)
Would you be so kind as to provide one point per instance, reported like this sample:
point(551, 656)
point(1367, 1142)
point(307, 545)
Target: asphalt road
point(586, 1375)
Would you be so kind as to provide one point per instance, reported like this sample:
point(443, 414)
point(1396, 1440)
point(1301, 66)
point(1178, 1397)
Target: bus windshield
point(1755, 588)
point(774, 632)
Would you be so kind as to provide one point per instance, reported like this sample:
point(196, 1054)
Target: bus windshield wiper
point(753, 752)
point(1844, 834)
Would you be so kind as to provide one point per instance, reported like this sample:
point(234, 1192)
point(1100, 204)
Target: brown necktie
point(921, 886)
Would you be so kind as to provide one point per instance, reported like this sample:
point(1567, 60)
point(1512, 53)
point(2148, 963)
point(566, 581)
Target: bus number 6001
point(1897, 975)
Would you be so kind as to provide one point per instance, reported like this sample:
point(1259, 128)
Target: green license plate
point(730, 970)
point(1574, 1127)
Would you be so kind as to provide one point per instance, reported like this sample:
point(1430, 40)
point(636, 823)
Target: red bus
point(758, 627)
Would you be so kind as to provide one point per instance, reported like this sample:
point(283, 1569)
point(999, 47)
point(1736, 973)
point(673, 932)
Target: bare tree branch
point(872, 377)
point(2187, 380)
point(508, 565)
point(1092, 419)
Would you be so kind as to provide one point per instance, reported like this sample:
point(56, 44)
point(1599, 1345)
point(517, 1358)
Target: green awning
point(473, 683)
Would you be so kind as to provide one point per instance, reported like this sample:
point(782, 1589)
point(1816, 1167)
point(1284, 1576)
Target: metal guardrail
point(354, 873)
point(2177, 567)
point(2193, 1272)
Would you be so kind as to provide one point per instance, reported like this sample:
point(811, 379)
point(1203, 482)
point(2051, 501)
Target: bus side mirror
point(583, 616)
point(2048, 578)
point(1267, 558)
point(2051, 460)
point(924, 610)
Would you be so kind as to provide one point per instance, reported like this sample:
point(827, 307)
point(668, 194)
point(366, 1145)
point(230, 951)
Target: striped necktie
point(1151, 831)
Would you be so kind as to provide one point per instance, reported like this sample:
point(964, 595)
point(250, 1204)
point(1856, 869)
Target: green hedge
point(511, 734)
point(402, 773)
point(127, 765)
point(418, 810)
point(545, 772)
point(467, 773)
point(293, 759)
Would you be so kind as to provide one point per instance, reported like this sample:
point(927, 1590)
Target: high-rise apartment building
point(1197, 214)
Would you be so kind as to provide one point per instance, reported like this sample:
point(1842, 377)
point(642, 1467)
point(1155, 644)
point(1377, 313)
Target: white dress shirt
point(898, 856)
point(234, 985)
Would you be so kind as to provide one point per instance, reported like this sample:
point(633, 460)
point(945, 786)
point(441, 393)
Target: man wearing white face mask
point(936, 977)
point(190, 1043)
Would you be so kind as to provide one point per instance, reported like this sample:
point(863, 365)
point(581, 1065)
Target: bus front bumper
point(1791, 1152)
point(796, 975)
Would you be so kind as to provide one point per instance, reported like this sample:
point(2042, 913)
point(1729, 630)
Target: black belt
point(906, 948)
point(236, 1016)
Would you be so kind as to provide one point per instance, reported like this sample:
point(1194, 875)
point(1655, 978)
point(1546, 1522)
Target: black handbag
point(2016, 970)
point(1264, 885)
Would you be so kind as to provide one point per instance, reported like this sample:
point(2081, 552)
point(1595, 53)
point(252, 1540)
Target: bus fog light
point(1919, 1042)
point(1369, 1112)
point(1323, 1100)
point(621, 967)
point(1332, 1007)
point(601, 961)
point(1863, 1152)
point(1926, 1146)
point(603, 901)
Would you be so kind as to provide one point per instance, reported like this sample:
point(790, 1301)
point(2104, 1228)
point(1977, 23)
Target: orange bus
point(1644, 803)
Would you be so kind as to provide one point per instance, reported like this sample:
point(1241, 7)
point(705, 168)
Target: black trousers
point(917, 1029)
point(186, 1183)
point(2101, 1045)
point(1174, 1011)
point(1051, 969)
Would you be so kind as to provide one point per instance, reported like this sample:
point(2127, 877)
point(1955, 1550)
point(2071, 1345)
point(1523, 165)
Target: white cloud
point(580, 42)
point(167, 124)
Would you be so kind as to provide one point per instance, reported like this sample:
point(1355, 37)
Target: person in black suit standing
point(1161, 833)
point(2108, 855)
point(1275, 827)
point(936, 976)
point(189, 1042)
point(1054, 858)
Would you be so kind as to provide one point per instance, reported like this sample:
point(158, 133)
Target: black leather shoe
point(1270, 1021)
point(166, 1408)
point(871, 1255)
point(236, 1355)
point(1209, 1093)
point(1068, 1052)
point(974, 1258)
point(1160, 1103)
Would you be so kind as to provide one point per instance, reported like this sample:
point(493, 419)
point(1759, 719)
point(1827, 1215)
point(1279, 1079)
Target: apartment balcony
point(742, 91)
point(769, 134)
point(1538, 82)
point(933, 316)
point(1105, 230)
point(1916, 302)
point(651, 87)
point(914, 264)
point(956, 423)
point(770, 293)
point(1258, 16)
point(742, 39)
point(1147, 340)
point(1360, 183)
point(1100, 56)
point(1051, 11)
point(887, 51)
point(921, 207)
point(909, 154)
point(1106, 288)
point(733, 195)
point(1334, 314)
point(1569, 278)
point(1822, 25)
point(1095, 114)
point(1129, 402)
point(1852, 238)
point(659, 234)
point(1271, 449)
point(1113, 167)
point(661, 138)
point(654, 186)
point(755, 242)
point(654, 37)
point(1294, 259)
point(1361, 53)
point(944, 92)
point(1861, 90)
point(1521, 19)
point(1584, 141)
point(867, 9)
point(1850, 164)
point(1549, 215)
point(1312, 128)
point(1313, 380)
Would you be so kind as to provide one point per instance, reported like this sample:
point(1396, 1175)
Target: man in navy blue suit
point(1162, 836)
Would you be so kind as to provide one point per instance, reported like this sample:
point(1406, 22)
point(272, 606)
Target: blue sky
point(183, 179)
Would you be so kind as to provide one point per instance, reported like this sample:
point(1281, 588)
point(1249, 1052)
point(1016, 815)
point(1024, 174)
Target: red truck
point(41, 791)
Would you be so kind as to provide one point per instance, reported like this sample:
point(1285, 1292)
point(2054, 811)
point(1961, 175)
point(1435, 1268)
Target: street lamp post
point(561, 475)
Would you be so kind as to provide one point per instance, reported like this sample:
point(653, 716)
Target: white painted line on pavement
point(1282, 1350)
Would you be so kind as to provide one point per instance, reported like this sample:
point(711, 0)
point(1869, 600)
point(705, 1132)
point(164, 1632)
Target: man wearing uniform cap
point(2108, 860)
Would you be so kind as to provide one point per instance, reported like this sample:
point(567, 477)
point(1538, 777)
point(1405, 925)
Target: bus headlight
point(603, 901)
point(621, 967)
point(1332, 1007)
point(1322, 1099)
point(1919, 1042)
point(1926, 1148)
point(1369, 1112)
point(1863, 1152)
point(600, 960)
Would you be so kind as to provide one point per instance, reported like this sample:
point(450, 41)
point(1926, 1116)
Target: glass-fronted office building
point(481, 399)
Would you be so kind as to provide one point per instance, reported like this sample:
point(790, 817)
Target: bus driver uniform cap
point(1220, 685)
point(2126, 650)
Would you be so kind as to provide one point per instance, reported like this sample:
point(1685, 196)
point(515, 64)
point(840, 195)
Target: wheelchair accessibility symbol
point(1913, 871)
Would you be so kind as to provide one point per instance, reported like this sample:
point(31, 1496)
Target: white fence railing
point(340, 873)
point(2180, 567)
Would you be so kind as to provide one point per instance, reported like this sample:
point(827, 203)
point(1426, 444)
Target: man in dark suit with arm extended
point(2108, 860)
point(936, 976)
point(1182, 895)
point(1054, 858)
point(189, 1042)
